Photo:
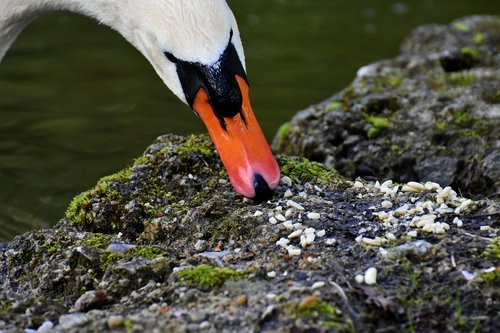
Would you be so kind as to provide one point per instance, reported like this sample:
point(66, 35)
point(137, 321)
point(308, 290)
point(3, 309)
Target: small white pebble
point(303, 195)
point(382, 215)
point(309, 231)
point(288, 194)
point(390, 236)
point(377, 241)
point(401, 210)
point(330, 241)
point(288, 225)
point(358, 184)
point(371, 276)
point(431, 186)
point(439, 230)
point(387, 183)
point(321, 233)
point(359, 278)
point(271, 274)
point(273, 220)
point(413, 187)
point(289, 213)
point(286, 180)
point(307, 239)
point(258, 213)
point(485, 228)
point(359, 239)
point(458, 222)
point(291, 203)
point(313, 216)
point(298, 226)
point(293, 251)
point(412, 233)
point(317, 285)
point(222, 181)
point(430, 227)
point(295, 234)
point(386, 204)
point(283, 242)
point(271, 296)
point(280, 217)
point(444, 193)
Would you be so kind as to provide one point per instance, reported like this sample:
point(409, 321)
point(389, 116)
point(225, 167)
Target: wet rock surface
point(166, 245)
point(430, 114)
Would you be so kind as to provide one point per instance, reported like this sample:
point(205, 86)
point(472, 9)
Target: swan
point(195, 48)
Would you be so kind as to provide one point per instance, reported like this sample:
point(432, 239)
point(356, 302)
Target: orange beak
point(243, 149)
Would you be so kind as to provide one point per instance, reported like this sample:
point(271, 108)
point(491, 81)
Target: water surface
point(77, 102)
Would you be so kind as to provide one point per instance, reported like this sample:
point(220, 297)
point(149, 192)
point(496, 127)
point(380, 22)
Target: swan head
point(195, 47)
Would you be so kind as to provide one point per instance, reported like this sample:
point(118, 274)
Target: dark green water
point(77, 102)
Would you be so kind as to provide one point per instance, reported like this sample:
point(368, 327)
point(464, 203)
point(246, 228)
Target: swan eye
point(171, 57)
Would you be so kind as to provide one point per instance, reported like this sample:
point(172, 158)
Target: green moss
point(478, 38)
point(52, 247)
point(378, 123)
point(307, 171)
point(312, 310)
point(5, 306)
point(470, 51)
point(397, 150)
point(491, 278)
point(197, 144)
point(333, 105)
point(96, 240)
point(463, 117)
point(493, 250)
point(462, 79)
point(128, 323)
point(141, 160)
point(394, 80)
point(206, 277)
point(79, 208)
point(462, 27)
point(284, 130)
point(147, 252)
point(441, 124)
point(108, 257)
point(324, 313)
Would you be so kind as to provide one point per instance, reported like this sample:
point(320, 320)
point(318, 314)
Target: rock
point(430, 114)
point(89, 300)
point(159, 281)
point(46, 327)
point(120, 248)
point(73, 320)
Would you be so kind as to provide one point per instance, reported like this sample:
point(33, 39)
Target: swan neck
point(15, 15)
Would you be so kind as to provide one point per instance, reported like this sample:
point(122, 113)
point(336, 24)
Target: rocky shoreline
point(166, 245)
point(430, 114)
